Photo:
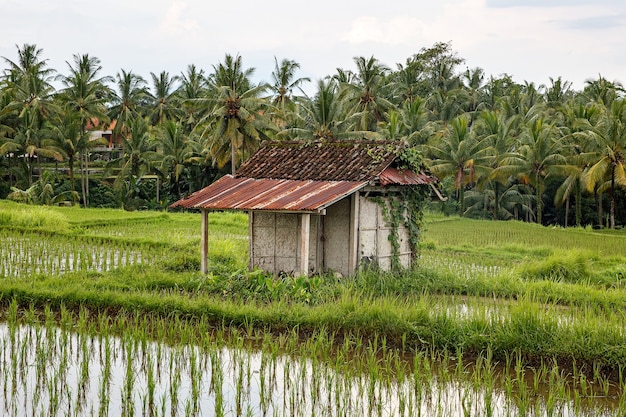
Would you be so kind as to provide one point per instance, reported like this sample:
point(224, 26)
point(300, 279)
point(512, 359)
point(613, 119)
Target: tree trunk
point(496, 207)
point(82, 180)
point(600, 211)
point(87, 177)
point(612, 208)
point(70, 165)
point(539, 205)
point(233, 157)
point(567, 211)
point(579, 209)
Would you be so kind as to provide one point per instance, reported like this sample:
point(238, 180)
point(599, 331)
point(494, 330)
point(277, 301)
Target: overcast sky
point(530, 40)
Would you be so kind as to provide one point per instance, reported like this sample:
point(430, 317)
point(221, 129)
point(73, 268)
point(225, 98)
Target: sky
point(532, 40)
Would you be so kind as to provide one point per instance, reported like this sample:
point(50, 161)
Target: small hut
point(319, 206)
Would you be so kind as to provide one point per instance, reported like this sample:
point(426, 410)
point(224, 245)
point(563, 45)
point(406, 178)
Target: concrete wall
point(275, 239)
point(374, 245)
point(336, 237)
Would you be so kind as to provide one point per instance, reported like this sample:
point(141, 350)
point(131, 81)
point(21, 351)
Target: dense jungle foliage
point(502, 149)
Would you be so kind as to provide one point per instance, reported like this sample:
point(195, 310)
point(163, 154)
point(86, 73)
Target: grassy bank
point(504, 288)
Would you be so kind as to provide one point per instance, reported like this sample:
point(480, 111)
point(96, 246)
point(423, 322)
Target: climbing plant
point(404, 207)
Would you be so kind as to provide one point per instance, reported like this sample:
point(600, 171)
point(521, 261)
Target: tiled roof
point(353, 160)
point(304, 176)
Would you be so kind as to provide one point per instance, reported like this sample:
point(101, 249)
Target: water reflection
point(47, 371)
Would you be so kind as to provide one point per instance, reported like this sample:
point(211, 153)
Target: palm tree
point(138, 151)
point(322, 116)
point(283, 83)
point(510, 202)
point(579, 116)
point(162, 103)
point(236, 119)
point(408, 81)
point(366, 95)
point(29, 84)
point(84, 99)
point(410, 122)
point(603, 91)
point(42, 192)
point(193, 86)
point(473, 80)
point(499, 132)
point(539, 157)
point(461, 155)
point(128, 101)
point(609, 168)
point(558, 93)
point(176, 153)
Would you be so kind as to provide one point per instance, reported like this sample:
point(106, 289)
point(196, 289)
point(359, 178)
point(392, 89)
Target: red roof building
point(315, 206)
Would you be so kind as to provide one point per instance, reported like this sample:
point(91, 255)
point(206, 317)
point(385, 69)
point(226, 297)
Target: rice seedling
point(373, 381)
point(494, 316)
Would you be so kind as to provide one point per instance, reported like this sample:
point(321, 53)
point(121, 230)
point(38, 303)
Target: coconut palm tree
point(579, 116)
point(162, 105)
point(609, 167)
point(473, 80)
point(409, 122)
point(42, 192)
point(283, 83)
point(538, 156)
point(193, 87)
point(84, 100)
point(236, 116)
point(603, 91)
point(461, 155)
point(499, 133)
point(366, 96)
point(138, 150)
point(128, 101)
point(29, 84)
point(322, 117)
point(176, 154)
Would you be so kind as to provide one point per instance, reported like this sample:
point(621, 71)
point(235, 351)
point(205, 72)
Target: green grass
point(502, 287)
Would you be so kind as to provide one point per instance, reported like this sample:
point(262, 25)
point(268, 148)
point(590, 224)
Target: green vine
point(405, 207)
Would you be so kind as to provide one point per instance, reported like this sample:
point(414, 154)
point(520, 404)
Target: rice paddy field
point(105, 313)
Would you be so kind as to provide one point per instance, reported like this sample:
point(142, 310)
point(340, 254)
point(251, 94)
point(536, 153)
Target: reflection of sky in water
point(24, 256)
point(37, 366)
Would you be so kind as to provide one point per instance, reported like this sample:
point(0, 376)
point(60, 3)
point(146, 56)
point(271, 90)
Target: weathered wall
point(374, 245)
point(275, 237)
point(336, 235)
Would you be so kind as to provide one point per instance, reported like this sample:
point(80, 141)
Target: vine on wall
point(405, 208)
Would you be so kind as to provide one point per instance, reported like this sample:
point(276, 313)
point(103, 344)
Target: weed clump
point(181, 262)
point(574, 267)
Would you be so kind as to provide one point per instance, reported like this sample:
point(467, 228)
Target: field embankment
point(503, 287)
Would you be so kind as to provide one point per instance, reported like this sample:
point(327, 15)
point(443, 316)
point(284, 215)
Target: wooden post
point(205, 242)
point(353, 244)
point(250, 240)
point(305, 228)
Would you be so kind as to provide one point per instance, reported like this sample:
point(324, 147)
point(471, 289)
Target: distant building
point(98, 130)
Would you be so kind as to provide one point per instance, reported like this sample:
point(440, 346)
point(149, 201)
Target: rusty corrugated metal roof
point(236, 193)
point(394, 176)
point(346, 160)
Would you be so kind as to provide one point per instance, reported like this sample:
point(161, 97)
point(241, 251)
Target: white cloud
point(394, 31)
point(175, 22)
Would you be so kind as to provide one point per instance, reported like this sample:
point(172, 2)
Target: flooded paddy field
point(108, 315)
point(62, 367)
